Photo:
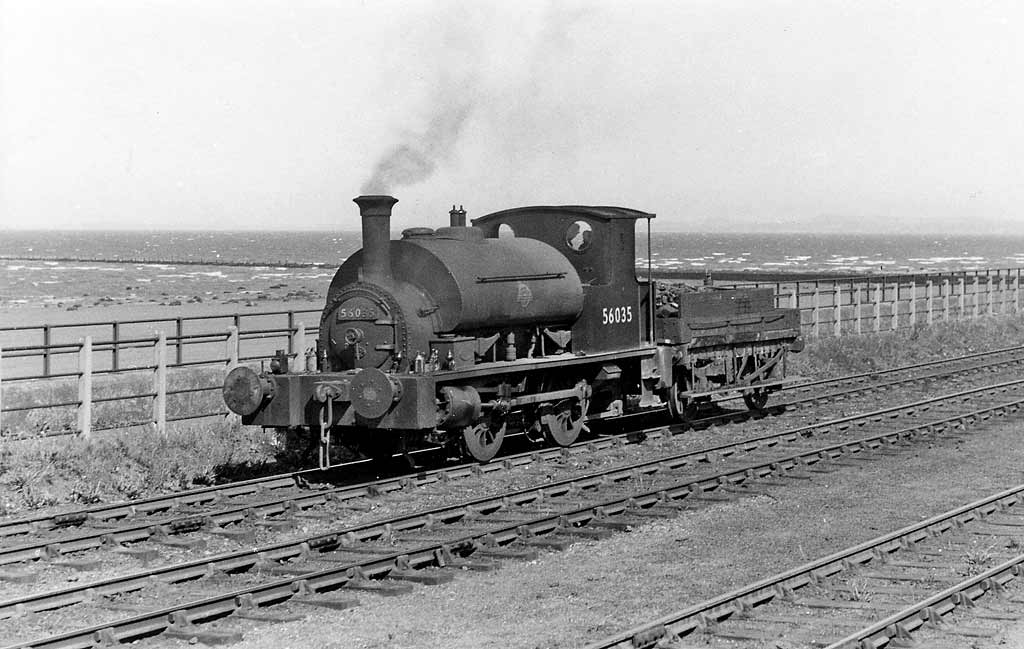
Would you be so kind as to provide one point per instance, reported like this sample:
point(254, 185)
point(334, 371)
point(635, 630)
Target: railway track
point(875, 594)
point(250, 504)
point(427, 545)
point(48, 528)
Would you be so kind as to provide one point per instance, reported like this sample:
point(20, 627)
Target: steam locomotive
point(531, 320)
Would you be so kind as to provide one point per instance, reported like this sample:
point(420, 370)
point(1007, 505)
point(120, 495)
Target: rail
point(175, 373)
point(49, 350)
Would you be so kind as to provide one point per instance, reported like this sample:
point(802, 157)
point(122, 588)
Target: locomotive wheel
point(563, 424)
point(379, 448)
point(755, 398)
point(483, 439)
point(680, 407)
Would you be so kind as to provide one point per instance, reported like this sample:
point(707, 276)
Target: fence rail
point(874, 304)
point(130, 379)
point(49, 351)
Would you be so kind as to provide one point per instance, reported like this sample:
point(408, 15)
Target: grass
point(121, 465)
point(824, 357)
point(126, 410)
point(38, 470)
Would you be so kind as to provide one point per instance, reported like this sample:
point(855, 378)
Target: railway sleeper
point(246, 537)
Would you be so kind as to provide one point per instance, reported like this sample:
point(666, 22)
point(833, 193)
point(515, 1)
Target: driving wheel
point(564, 422)
point(483, 438)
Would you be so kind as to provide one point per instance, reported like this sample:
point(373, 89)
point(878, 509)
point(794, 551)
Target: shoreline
point(38, 316)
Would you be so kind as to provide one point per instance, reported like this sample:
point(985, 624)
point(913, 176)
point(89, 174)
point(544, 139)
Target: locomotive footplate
point(367, 398)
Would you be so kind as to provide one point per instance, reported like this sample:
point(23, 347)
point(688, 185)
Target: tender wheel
point(680, 407)
point(563, 424)
point(482, 440)
point(755, 398)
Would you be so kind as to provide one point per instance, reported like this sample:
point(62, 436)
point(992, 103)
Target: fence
point(129, 380)
point(50, 351)
point(147, 394)
point(837, 307)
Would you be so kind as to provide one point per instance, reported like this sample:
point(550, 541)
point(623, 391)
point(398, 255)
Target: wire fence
point(115, 377)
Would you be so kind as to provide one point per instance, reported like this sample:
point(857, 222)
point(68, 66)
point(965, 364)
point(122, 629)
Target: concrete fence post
point(1000, 297)
point(160, 383)
point(1, 390)
point(878, 307)
point(298, 345)
point(115, 345)
point(837, 311)
point(976, 301)
point(962, 312)
point(894, 317)
point(990, 290)
point(913, 302)
point(232, 348)
point(85, 387)
point(1017, 292)
point(928, 290)
point(857, 308)
point(233, 354)
point(47, 341)
point(817, 312)
point(946, 286)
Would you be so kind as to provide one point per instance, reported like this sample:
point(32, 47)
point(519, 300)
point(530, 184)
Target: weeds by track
point(424, 545)
point(874, 594)
point(273, 491)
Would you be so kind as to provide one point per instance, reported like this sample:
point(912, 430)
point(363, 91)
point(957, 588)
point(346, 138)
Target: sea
point(57, 266)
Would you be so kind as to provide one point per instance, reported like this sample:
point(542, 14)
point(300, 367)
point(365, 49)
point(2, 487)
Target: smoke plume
point(416, 159)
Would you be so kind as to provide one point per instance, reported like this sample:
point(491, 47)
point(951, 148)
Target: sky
point(718, 115)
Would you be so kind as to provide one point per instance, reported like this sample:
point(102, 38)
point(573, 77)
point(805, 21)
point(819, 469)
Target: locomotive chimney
point(376, 217)
point(458, 217)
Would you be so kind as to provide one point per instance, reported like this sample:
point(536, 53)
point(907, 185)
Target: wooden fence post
point(878, 307)
point(946, 286)
point(928, 289)
point(837, 311)
point(160, 383)
point(1, 390)
point(298, 345)
point(85, 387)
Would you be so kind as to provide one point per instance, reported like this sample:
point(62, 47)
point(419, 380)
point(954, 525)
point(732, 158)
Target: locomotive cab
point(600, 243)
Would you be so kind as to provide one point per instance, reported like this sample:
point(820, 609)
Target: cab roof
point(604, 213)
